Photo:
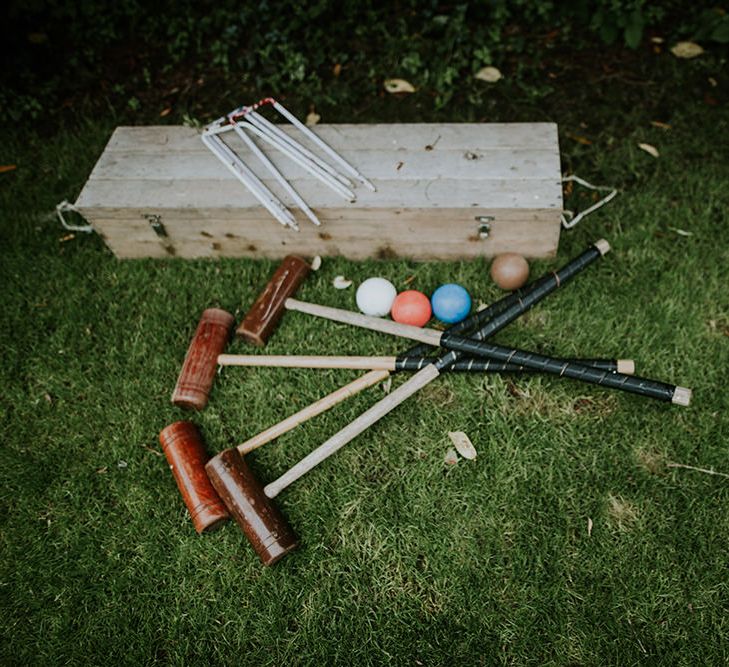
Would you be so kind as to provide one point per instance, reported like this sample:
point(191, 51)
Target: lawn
point(572, 539)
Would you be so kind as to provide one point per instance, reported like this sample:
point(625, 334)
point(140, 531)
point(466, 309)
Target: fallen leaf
point(657, 40)
point(658, 123)
point(463, 444)
point(67, 237)
point(589, 527)
point(686, 50)
point(681, 232)
point(165, 112)
point(451, 457)
point(489, 74)
point(387, 385)
point(579, 139)
point(481, 306)
point(48, 398)
point(651, 150)
point(312, 118)
point(337, 69)
point(399, 86)
point(7, 167)
point(316, 263)
point(514, 390)
point(340, 282)
point(101, 471)
point(122, 464)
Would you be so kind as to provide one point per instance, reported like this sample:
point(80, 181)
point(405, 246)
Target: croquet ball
point(509, 271)
point(375, 296)
point(451, 303)
point(411, 307)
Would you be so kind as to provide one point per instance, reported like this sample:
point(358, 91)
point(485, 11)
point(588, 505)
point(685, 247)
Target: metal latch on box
point(484, 225)
point(155, 222)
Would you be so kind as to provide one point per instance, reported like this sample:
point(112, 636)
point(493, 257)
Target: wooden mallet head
point(213, 331)
point(262, 318)
point(181, 441)
point(198, 370)
point(183, 446)
point(264, 525)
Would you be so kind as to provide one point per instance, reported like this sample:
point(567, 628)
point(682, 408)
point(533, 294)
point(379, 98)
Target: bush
point(56, 51)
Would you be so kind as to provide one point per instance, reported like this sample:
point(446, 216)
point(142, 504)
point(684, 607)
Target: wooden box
point(444, 191)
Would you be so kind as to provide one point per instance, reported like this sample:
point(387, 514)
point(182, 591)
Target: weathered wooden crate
point(444, 191)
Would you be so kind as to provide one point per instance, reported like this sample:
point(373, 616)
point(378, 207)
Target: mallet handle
point(472, 365)
point(367, 380)
point(432, 336)
point(479, 318)
point(307, 361)
point(422, 378)
point(643, 386)
point(661, 391)
point(428, 336)
point(352, 430)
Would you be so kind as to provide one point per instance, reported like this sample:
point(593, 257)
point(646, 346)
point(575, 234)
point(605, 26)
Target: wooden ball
point(509, 271)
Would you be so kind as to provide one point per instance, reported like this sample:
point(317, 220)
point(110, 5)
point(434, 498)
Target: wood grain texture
point(198, 369)
point(323, 404)
point(261, 320)
point(433, 182)
point(352, 430)
point(420, 334)
point(185, 451)
point(263, 524)
point(308, 361)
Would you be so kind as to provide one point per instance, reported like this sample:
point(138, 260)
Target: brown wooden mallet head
point(261, 521)
point(198, 370)
point(262, 318)
point(185, 451)
point(181, 441)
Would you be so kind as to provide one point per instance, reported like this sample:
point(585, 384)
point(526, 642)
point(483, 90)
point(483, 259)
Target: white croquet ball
point(375, 296)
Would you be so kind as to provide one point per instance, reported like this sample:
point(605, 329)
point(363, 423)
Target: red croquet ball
point(411, 307)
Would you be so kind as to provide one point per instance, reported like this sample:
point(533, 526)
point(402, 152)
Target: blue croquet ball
point(451, 303)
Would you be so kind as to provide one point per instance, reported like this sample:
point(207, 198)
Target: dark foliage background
point(61, 57)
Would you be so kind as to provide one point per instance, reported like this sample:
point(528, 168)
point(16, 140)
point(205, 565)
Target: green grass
point(403, 559)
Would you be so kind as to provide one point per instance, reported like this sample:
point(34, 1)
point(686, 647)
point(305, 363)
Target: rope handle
point(569, 219)
point(65, 207)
